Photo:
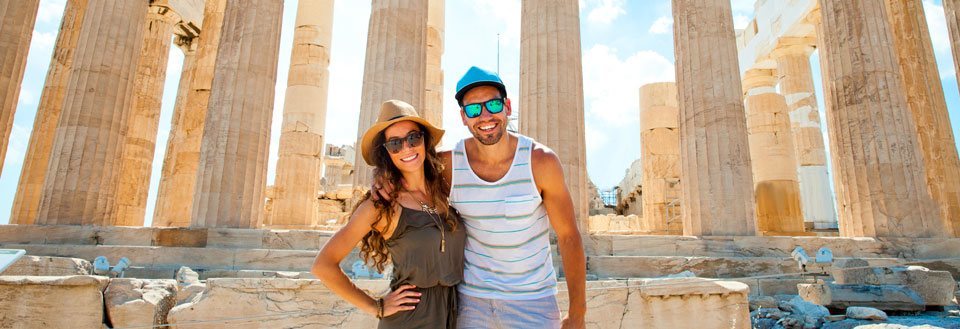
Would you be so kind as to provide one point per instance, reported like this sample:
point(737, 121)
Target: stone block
point(327, 205)
point(293, 239)
point(606, 302)
point(713, 267)
point(668, 303)
point(51, 301)
point(49, 266)
point(935, 287)
point(278, 303)
point(182, 237)
point(235, 238)
point(866, 313)
point(138, 302)
point(884, 297)
point(850, 267)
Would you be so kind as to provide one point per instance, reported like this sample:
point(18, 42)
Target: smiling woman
point(413, 228)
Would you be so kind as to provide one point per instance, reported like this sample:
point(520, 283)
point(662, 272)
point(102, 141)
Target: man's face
point(486, 128)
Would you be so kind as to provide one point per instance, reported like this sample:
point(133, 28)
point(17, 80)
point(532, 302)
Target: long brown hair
point(373, 247)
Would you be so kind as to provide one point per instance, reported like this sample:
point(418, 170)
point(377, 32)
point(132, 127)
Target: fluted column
point(236, 136)
point(951, 9)
point(924, 94)
point(717, 183)
point(551, 89)
point(84, 167)
point(395, 65)
point(140, 143)
point(16, 29)
point(295, 203)
point(169, 159)
point(27, 201)
point(796, 86)
point(179, 174)
point(660, 153)
point(774, 159)
point(877, 159)
point(433, 92)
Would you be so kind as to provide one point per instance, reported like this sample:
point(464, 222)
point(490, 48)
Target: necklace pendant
point(443, 245)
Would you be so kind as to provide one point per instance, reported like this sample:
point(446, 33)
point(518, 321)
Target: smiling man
point(510, 191)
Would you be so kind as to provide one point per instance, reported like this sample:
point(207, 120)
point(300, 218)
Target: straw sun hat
point(391, 112)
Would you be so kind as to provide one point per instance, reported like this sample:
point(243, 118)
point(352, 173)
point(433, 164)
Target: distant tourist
point(414, 227)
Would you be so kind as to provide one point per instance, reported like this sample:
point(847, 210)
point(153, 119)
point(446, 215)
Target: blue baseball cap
point(476, 77)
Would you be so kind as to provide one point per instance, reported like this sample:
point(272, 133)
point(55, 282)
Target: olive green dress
point(417, 260)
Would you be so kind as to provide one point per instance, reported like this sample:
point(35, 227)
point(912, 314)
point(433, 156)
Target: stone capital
point(758, 78)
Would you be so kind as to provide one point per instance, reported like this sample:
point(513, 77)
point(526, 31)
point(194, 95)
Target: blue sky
point(625, 44)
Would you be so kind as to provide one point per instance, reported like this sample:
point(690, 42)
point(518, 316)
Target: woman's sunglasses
point(493, 106)
point(394, 145)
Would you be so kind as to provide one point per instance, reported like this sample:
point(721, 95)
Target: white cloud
point(939, 37)
point(663, 25)
point(607, 11)
point(611, 84)
point(595, 138)
point(742, 6)
point(43, 40)
point(740, 22)
point(507, 15)
point(50, 10)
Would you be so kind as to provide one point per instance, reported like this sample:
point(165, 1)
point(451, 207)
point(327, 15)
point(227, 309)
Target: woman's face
point(408, 159)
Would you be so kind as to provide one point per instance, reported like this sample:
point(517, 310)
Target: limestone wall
point(629, 190)
point(289, 303)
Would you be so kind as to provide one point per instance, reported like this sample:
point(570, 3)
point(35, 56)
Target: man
point(510, 190)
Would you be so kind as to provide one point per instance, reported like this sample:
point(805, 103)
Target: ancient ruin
point(727, 212)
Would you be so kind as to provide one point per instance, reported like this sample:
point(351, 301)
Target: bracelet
point(379, 308)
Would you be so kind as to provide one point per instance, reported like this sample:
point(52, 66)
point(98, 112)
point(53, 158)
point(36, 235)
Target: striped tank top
point(507, 253)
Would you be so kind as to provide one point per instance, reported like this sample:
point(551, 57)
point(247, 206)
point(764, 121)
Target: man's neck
point(495, 153)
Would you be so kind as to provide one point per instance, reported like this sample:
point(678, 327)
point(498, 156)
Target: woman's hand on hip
point(402, 299)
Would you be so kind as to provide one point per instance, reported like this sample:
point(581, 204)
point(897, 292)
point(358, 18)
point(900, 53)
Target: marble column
point(925, 99)
point(551, 89)
point(771, 146)
point(26, 203)
point(877, 158)
point(140, 143)
point(717, 182)
point(83, 172)
point(189, 48)
point(433, 94)
point(951, 9)
point(395, 65)
point(297, 184)
point(179, 174)
point(16, 30)
point(660, 156)
point(231, 176)
point(796, 86)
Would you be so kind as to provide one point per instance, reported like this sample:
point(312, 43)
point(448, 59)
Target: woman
point(427, 260)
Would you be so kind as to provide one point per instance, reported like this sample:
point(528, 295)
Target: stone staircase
point(159, 252)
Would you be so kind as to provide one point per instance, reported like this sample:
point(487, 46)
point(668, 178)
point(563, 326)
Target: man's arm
point(548, 174)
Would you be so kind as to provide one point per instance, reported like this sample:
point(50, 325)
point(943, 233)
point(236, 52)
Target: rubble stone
point(866, 313)
point(136, 302)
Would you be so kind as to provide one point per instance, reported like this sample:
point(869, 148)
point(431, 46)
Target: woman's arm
point(326, 267)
